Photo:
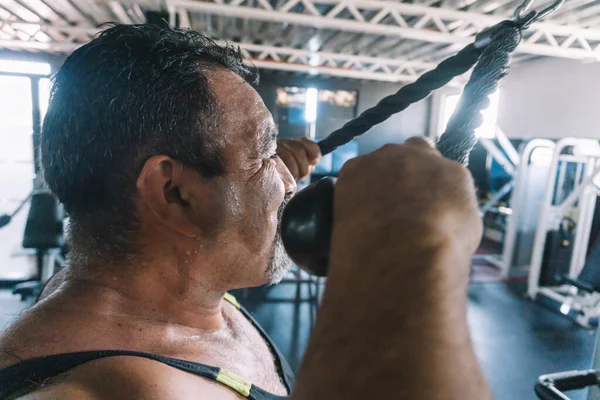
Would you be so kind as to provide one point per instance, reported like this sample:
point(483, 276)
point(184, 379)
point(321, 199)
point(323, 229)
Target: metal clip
point(521, 17)
point(522, 9)
point(525, 20)
point(484, 37)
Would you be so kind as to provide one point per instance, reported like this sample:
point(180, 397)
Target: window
point(44, 96)
point(16, 170)
point(310, 107)
point(16, 157)
point(490, 115)
point(15, 119)
point(25, 67)
point(312, 112)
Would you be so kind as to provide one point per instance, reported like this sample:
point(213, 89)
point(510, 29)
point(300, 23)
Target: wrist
point(399, 243)
point(422, 282)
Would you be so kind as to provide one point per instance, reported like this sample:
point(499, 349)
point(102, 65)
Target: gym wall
point(551, 98)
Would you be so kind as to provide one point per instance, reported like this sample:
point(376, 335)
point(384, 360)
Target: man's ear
point(160, 186)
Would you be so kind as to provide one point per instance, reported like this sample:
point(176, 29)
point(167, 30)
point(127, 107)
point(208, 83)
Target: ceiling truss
point(342, 65)
point(262, 56)
point(385, 40)
point(408, 21)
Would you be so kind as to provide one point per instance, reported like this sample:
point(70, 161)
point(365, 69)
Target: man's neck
point(165, 291)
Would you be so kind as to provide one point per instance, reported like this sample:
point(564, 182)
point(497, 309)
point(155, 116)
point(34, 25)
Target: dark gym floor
point(516, 340)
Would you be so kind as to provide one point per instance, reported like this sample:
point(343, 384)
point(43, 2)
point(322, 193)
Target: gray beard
point(280, 263)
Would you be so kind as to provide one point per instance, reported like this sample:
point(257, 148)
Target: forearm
point(408, 344)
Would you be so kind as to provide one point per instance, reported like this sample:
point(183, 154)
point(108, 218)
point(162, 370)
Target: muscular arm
point(393, 319)
point(382, 345)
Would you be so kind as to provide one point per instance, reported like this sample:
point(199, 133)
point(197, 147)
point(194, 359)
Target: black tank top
point(28, 375)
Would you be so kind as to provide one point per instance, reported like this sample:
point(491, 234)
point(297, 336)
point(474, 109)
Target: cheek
point(214, 207)
point(279, 170)
point(260, 198)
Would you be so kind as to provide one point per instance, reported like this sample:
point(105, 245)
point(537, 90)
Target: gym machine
point(558, 264)
point(44, 227)
point(507, 158)
point(528, 169)
point(529, 180)
point(552, 386)
point(44, 233)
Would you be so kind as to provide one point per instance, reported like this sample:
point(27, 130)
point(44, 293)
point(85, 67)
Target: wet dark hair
point(133, 92)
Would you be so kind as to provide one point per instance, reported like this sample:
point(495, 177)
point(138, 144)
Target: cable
point(407, 95)
point(459, 138)
point(490, 54)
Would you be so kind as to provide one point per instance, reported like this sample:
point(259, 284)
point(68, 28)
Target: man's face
point(256, 186)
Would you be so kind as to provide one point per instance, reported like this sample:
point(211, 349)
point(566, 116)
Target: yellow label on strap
point(232, 300)
point(235, 382)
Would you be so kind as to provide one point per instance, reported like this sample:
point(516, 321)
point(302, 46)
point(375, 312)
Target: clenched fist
point(299, 155)
point(410, 194)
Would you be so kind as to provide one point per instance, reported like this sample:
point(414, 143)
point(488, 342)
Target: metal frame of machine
point(519, 194)
point(517, 164)
point(510, 164)
point(555, 207)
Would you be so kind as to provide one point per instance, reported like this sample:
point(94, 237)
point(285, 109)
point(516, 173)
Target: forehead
point(244, 117)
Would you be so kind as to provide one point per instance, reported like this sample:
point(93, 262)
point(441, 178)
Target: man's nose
point(287, 178)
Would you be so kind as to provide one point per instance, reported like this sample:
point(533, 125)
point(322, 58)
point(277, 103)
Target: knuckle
point(419, 141)
point(390, 148)
point(350, 166)
point(459, 171)
point(306, 141)
point(295, 145)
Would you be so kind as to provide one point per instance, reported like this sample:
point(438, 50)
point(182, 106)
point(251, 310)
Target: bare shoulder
point(130, 378)
point(31, 335)
point(15, 339)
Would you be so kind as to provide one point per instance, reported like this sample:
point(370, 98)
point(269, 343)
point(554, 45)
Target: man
point(166, 160)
